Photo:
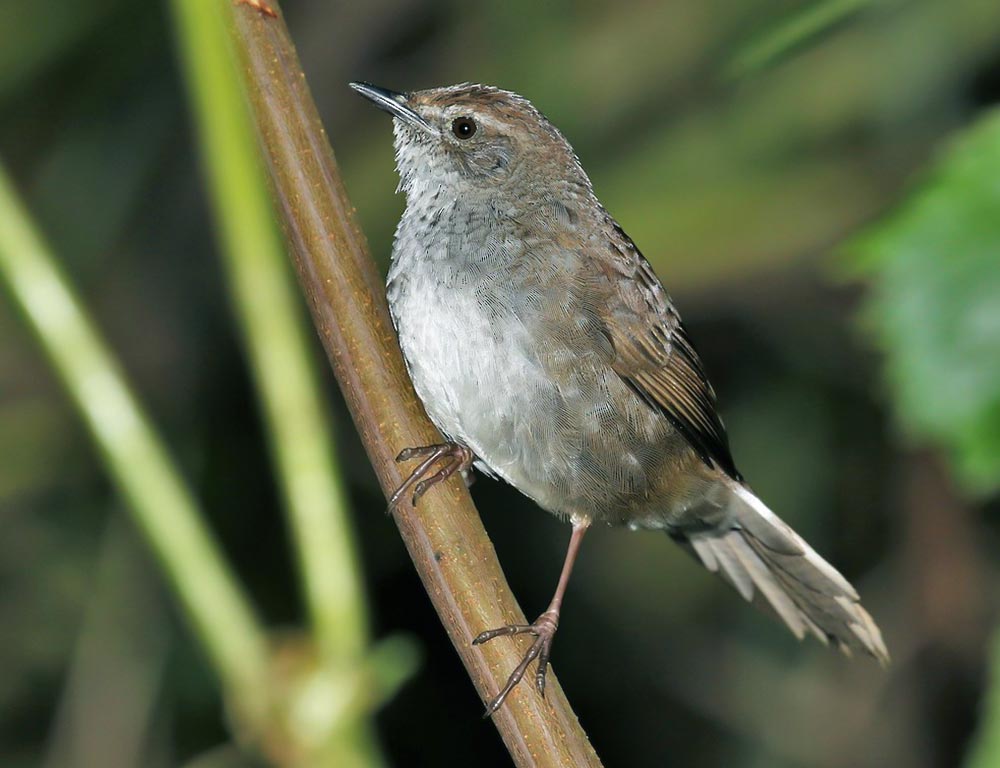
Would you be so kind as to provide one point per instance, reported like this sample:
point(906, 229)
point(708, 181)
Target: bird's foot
point(456, 458)
point(544, 630)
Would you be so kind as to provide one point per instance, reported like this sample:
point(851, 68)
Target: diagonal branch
point(451, 550)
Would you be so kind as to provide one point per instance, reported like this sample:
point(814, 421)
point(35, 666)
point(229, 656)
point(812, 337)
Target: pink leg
point(544, 629)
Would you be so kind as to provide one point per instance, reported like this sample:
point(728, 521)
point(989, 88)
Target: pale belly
point(550, 420)
point(477, 381)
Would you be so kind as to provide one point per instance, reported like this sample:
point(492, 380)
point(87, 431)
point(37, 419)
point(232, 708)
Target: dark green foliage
point(934, 306)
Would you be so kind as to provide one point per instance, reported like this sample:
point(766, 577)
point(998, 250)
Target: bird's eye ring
point(463, 127)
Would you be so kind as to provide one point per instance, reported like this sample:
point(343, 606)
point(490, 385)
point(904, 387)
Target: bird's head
point(468, 139)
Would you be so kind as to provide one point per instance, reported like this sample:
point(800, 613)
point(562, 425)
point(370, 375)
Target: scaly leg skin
point(544, 629)
point(457, 458)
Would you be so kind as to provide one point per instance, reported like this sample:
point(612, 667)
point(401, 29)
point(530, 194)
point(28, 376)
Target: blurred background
point(815, 183)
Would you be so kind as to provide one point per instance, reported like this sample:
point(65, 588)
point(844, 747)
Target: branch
point(451, 550)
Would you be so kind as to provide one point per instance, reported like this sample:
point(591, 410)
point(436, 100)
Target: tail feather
point(761, 553)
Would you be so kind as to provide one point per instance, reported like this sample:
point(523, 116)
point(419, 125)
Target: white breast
point(472, 363)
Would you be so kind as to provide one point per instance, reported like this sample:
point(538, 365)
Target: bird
point(548, 353)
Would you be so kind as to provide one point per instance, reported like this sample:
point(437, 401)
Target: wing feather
point(655, 357)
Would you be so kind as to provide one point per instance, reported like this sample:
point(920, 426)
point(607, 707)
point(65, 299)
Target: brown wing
point(655, 357)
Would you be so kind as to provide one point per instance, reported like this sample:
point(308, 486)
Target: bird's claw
point(458, 459)
point(544, 630)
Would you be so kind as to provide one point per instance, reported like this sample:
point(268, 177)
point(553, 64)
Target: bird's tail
point(759, 553)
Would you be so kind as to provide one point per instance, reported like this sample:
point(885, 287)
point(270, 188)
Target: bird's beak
point(396, 104)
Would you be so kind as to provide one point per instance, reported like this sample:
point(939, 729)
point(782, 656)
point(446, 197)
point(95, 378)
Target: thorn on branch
point(259, 5)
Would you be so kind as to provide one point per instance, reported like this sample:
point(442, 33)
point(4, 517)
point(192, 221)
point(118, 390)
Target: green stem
point(267, 308)
point(791, 32)
point(268, 312)
point(985, 752)
point(161, 503)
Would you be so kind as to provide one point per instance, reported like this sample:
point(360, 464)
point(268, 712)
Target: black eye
point(463, 127)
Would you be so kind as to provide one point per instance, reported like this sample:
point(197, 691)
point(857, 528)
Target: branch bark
point(444, 535)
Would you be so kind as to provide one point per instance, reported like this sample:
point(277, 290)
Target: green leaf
point(934, 307)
